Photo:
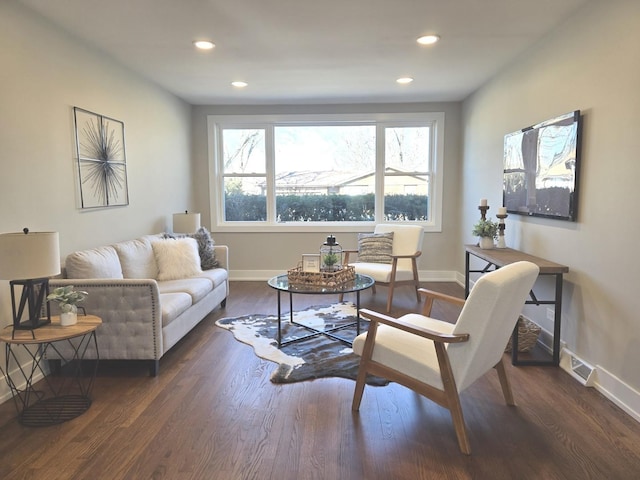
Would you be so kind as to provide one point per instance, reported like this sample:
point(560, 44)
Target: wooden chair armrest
point(413, 255)
point(431, 296)
point(416, 330)
point(441, 296)
point(346, 255)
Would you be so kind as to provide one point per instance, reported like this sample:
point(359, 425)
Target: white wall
point(44, 73)
point(256, 255)
point(590, 63)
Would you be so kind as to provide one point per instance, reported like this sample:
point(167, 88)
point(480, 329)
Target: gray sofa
point(148, 292)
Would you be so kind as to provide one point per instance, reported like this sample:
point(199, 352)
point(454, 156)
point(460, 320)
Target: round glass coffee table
point(281, 284)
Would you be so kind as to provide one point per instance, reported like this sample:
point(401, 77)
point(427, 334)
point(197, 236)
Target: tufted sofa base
point(132, 314)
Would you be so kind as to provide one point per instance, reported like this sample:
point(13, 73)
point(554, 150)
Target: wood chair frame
point(394, 283)
point(448, 397)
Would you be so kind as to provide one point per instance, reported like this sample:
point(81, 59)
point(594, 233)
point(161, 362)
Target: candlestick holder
point(483, 211)
point(501, 227)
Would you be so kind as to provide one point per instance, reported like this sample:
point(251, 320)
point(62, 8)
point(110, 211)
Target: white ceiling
point(311, 51)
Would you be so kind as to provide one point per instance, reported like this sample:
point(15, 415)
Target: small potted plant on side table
point(68, 300)
point(487, 231)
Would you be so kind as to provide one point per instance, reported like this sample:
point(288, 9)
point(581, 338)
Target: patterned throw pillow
point(375, 247)
point(205, 247)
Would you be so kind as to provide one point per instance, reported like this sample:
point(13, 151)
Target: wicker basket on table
point(300, 278)
point(528, 333)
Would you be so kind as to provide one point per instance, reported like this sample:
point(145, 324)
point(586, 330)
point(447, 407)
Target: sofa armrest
point(222, 255)
point(131, 316)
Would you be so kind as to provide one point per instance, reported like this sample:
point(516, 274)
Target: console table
point(499, 257)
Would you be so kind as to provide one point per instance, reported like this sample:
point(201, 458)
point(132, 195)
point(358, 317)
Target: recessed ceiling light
point(428, 39)
point(239, 84)
point(204, 44)
point(404, 80)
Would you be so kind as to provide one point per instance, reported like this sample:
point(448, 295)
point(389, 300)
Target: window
point(322, 171)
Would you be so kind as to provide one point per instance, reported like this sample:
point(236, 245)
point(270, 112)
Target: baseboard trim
point(615, 390)
point(264, 275)
point(624, 396)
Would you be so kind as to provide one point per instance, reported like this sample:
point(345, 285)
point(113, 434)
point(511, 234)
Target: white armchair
point(402, 268)
point(438, 359)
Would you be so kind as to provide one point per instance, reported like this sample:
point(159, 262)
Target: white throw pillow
point(177, 258)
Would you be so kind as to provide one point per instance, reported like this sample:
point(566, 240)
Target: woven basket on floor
point(528, 333)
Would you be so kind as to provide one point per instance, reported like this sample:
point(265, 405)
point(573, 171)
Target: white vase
point(486, 243)
point(70, 317)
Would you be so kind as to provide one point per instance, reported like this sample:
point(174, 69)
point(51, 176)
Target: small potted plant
point(330, 261)
point(67, 299)
point(487, 231)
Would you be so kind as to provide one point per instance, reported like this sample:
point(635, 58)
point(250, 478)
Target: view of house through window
point(325, 172)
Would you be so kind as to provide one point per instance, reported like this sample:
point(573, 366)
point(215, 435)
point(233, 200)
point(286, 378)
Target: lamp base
point(32, 310)
point(32, 324)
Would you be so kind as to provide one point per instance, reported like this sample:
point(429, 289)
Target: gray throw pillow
point(375, 247)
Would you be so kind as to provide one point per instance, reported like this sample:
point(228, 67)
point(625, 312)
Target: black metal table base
point(55, 398)
point(314, 331)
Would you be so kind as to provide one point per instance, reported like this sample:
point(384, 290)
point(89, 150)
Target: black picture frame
point(102, 161)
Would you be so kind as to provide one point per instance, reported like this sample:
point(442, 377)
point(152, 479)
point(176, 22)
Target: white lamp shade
point(25, 256)
point(186, 222)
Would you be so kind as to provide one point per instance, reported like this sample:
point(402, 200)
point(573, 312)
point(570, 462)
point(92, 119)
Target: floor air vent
point(581, 371)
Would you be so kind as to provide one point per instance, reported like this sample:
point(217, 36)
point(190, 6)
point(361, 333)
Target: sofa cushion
point(216, 275)
point(137, 258)
point(176, 258)
point(173, 305)
point(197, 288)
point(100, 262)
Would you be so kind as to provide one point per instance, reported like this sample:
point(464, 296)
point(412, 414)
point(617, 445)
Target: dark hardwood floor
point(212, 413)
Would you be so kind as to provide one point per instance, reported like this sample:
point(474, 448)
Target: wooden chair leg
point(458, 423)
point(505, 383)
point(416, 280)
point(367, 353)
point(452, 398)
point(359, 390)
point(390, 298)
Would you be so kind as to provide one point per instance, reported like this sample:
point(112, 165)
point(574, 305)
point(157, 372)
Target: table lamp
point(186, 222)
point(27, 260)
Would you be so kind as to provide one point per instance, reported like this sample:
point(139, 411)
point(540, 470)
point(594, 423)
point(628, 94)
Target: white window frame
point(215, 123)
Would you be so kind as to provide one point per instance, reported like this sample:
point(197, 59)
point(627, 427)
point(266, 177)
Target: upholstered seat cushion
point(408, 353)
point(216, 276)
point(173, 304)
point(381, 272)
point(197, 288)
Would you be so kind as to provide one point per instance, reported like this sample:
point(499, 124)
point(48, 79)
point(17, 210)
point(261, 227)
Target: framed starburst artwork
point(102, 163)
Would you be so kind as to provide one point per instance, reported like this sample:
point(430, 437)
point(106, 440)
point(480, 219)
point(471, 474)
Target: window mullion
point(380, 163)
point(270, 153)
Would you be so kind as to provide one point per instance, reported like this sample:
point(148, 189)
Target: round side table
point(43, 399)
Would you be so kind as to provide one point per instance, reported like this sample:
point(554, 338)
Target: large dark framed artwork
point(542, 168)
point(102, 162)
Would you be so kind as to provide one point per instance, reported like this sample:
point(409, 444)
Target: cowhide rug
point(315, 357)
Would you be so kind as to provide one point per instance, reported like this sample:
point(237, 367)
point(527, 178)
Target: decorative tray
point(297, 276)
